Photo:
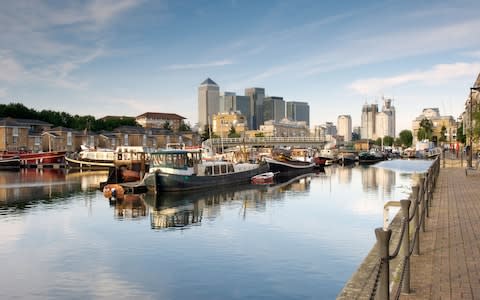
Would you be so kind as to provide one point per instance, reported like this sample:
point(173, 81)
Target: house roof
point(10, 122)
point(129, 129)
point(209, 81)
point(161, 116)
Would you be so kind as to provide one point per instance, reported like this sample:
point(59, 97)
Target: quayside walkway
point(448, 266)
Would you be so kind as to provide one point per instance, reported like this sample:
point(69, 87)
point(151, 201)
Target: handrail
point(422, 198)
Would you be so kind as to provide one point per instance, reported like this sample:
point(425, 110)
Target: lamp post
point(470, 156)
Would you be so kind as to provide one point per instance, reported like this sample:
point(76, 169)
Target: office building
point(298, 111)
point(208, 102)
point(344, 127)
point(256, 95)
point(273, 109)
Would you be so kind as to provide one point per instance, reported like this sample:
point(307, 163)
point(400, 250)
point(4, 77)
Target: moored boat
point(287, 166)
point(181, 170)
point(10, 163)
point(91, 160)
point(346, 158)
point(264, 178)
point(370, 157)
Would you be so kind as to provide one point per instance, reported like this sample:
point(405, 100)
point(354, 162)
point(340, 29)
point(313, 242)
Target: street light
point(470, 156)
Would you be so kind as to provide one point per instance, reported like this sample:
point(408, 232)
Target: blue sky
point(126, 57)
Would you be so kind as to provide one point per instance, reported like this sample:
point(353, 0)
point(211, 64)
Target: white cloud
point(219, 63)
point(10, 69)
point(438, 74)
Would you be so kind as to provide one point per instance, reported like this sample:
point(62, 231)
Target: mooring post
point(405, 204)
point(416, 196)
point(383, 243)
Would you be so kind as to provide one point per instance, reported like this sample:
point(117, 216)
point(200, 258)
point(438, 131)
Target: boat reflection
point(183, 209)
point(129, 207)
point(30, 185)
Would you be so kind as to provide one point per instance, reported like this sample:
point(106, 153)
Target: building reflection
point(18, 188)
point(378, 181)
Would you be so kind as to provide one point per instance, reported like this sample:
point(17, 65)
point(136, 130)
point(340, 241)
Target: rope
point(397, 250)
point(400, 284)
point(377, 278)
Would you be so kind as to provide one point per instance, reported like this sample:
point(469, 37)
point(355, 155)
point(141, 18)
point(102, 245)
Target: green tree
point(461, 137)
point(443, 134)
point(167, 125)
point(427, 131)
point(184, 127)
point(259, 134)
point(397, 142)
point(406, 138)
point(388, 140)
point(233, 133)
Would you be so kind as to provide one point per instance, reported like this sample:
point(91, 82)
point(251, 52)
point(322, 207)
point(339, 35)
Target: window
point(37, 141)
point(69, 138)
point(126, 140)
point(144, 140)
point(15, 131)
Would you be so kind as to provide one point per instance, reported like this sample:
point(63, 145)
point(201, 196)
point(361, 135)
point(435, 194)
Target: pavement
point(448, 266)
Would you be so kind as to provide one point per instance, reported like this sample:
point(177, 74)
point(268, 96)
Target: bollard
point(405, 204)
point(383, 243)
point(416, 194)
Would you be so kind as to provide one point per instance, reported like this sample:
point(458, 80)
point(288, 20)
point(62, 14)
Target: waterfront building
point(224, 121)
point(344, 127)
point(158, 120)
point(284, 128)
point(471, 107)
point(228, 102)
point(438, 122)
point(357, 131)
point(298, 111)
point(208, 102)
point(326, 132)
point(21, 134)
point(256, 95)
point(273, 109)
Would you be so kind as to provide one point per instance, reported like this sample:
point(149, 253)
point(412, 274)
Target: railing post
point(405, 204)
point(416, 195)
point(383, 243)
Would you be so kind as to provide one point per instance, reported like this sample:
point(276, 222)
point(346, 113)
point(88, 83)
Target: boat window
point(223, 169)
point(208, 170)
point(216, 169)
point(230, 168)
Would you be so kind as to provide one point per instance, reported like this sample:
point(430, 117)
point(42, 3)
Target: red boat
point(35, 158)
point(263, 178)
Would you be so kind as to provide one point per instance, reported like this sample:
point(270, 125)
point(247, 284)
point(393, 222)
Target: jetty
point(439, 258)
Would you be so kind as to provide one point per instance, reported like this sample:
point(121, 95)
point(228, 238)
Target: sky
point(128, 57)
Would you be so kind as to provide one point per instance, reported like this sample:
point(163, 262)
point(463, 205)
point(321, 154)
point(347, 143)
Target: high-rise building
point(369, 115)
point(227, 102)
point(273, 109)
point(256, 96)
point(344, 127)
point(298, 111)
point(208, 102)
point(377, 124)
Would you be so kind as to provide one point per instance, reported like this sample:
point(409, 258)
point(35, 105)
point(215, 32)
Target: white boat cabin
point(189, 162)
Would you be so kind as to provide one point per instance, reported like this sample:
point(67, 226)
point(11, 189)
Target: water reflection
point(178, 210)
point(129, 207)
point(30, 185)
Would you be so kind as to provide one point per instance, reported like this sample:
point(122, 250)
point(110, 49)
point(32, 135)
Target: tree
point(233, 133)
point(427, 127)
point(167, 125)
point(461, 137)
point(259, 134)
point(443, 134)
point(378, 142)
point(388, 140)
point(397, 142)
point(184, 127)
point(406, 138)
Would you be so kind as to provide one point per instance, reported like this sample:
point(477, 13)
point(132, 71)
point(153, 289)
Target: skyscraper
point(273, 109)
point(256, 96)
point(298, 111)
point(369, 115)
point(344, 127)
point(208, 102)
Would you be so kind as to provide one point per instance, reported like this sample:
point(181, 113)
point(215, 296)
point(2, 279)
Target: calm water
point(301, 239)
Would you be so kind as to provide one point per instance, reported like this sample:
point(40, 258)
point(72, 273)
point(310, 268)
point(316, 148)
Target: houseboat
point(183, 170)
point(285, 165)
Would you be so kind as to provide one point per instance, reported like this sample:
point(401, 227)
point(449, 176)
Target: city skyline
point(128, 57)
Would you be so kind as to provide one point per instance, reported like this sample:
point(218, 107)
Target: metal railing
point(414, 211)
point(265, 140)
